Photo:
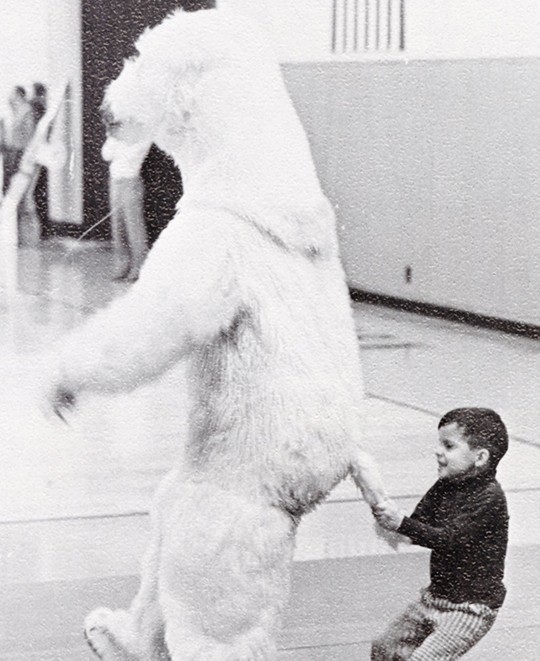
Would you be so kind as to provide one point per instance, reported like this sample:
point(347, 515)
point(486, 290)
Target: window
point(360, 26)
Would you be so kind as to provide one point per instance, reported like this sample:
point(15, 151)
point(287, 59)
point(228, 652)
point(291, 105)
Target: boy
point(463, 518)
point(126, 154)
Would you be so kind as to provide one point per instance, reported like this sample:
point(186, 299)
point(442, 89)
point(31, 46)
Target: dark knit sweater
point(465, 523)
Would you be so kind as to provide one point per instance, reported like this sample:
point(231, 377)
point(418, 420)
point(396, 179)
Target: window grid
point(368, 25)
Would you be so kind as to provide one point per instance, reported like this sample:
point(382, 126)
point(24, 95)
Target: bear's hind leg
point(113, 636)
point(138, 633)
point(224, 576)
point(105, 632)
point(255, 645)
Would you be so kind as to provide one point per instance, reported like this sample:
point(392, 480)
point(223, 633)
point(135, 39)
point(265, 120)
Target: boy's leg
point(457, 629)
point(29, 221)
point(404, 635)
point(135, 225)
point(118, 230)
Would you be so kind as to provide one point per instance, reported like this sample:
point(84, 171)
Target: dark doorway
point(109, 30)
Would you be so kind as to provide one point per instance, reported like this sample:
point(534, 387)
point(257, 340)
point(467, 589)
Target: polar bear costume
point(246, 286)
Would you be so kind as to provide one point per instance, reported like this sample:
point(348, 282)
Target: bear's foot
point(106, 633)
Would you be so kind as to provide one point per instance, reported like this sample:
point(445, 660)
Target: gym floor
point(74, 511)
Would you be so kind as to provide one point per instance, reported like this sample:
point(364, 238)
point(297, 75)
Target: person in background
point(125, 155)
point(39, 101)
point(18, 135)
point(36, 195)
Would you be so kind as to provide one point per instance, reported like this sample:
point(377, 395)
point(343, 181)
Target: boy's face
point(128, 131)
point(454, 456)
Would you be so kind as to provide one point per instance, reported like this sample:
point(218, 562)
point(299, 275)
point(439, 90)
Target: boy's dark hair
point(483, 428)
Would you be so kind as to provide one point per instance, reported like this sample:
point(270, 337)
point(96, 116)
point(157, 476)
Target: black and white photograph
point(269, 330)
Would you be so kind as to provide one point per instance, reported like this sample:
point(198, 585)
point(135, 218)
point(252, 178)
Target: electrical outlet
point(408, 274)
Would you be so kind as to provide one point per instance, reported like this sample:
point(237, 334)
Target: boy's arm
point(471, 524)
point(108, 149)
point(428, 504)
point(391, 517)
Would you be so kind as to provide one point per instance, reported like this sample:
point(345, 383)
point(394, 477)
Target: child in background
point(17, 134)
point(463, 518)
point(125, 154)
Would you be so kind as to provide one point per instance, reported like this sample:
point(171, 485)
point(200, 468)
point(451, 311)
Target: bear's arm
point(186, 296)
point(367, 478)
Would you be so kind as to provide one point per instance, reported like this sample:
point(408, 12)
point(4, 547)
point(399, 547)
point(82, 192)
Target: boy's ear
point(482, 458)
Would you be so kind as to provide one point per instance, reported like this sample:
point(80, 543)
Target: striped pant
point(434, 629)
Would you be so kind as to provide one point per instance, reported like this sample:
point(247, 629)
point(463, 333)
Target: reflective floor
point(73, 517)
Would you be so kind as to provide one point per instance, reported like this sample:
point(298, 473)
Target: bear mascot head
point(246, 287)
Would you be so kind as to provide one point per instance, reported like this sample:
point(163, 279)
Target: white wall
point(64, 67)
point(23, 45)
point(40, 42)
point(434, 28)
point(433, 165)
point(473, 28)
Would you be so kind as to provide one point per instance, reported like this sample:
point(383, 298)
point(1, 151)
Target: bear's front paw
point(62, 401)
point(106, 633)
point(391, 537)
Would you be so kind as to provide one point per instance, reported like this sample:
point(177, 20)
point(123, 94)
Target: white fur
point(246, 285)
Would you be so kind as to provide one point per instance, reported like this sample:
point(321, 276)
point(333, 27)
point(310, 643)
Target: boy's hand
point(388, 515)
